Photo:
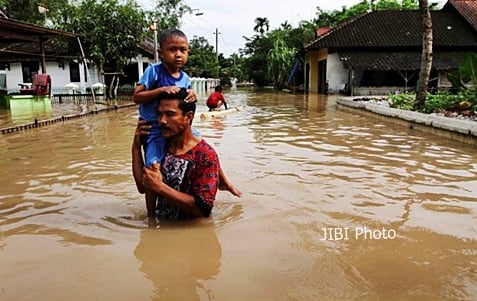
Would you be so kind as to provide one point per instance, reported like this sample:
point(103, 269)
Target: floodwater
point(336, 206)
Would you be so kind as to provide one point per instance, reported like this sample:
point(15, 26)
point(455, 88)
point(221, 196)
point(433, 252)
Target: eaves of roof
point(21, 41)
point(399, 60)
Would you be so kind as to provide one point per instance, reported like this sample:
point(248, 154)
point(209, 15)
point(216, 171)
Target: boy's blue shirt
point(156, 76)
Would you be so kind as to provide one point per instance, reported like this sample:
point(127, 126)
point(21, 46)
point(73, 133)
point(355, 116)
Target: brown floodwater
point(336, 206)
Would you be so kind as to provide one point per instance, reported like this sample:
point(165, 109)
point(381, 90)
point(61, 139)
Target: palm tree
point(286, 26)
point(426, 57)
point(260, 24)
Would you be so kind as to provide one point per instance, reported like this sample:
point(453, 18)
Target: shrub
point(435, 102)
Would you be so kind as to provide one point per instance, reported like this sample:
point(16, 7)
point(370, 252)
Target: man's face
point(172, 121)
point(174, 52)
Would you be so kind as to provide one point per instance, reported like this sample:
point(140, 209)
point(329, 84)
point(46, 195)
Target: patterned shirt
point(196, 173)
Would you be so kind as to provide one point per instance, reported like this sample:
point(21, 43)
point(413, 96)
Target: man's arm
point(153, 180)
point(204, 180)
point(136, 154)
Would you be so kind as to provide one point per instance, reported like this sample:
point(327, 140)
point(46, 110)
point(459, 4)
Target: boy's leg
point(154, 152)
point(151, 197)
point(225, 184)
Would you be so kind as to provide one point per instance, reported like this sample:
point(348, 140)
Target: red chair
point(41, 85)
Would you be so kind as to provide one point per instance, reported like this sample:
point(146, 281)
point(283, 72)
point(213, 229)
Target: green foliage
point(167, 13)
point(403, 101)
point(279, 60)
point(440, 101)
point(27, 10)
point(109, 31)
point(468, 70)
point(262, 25)
point(463, 100)
point(465, 74)
point(255, 63)
point(202, 59)
point(336, 17)
point(261, 50)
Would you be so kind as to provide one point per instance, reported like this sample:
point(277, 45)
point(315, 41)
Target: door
point(322, 86)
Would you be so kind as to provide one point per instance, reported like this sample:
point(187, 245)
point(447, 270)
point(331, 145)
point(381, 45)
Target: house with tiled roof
point(379, 52)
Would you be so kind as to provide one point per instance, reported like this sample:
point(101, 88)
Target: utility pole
point(217, 50)
point(154, 31)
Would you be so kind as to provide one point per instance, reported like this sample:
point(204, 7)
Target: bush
point(403, 101)
point(440, 101)
point(435, 102)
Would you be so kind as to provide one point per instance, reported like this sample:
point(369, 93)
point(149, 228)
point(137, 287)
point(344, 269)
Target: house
point(27, 49)
point(134, 70)
point(379, 52)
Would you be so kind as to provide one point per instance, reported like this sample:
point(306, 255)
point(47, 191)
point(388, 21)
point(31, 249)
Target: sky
point(233, 19)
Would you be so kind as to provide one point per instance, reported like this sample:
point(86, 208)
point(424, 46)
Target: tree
point(202, 59)
point(28, 11)
point(255, 61)
point(231, 67)
point(262, 25)
point(279, 60)
point(110, 33)
point(426, 56)
point(167, 13)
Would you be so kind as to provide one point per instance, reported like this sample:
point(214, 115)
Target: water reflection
point(177, 259)
point(303, 167)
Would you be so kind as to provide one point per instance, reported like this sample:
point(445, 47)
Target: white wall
point(336, 74)
point(59, 76)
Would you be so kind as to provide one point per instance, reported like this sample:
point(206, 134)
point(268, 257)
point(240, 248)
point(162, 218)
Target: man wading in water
point(188, 178)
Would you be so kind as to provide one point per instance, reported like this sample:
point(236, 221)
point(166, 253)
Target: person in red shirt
point(216, 99)
point(189, 176)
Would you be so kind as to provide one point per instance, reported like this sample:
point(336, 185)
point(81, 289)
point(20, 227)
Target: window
point(3, 80)
point(74, 72)
point(28, 70)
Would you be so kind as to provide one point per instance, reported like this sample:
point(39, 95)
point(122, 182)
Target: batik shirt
point(196, 173)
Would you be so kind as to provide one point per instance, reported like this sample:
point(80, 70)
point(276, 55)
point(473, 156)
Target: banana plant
point(465, 77)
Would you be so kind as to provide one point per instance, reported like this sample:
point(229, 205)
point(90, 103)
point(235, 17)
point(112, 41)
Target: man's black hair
point(180, 96)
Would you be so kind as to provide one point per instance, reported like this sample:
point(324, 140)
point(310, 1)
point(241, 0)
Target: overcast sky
point(235, 19)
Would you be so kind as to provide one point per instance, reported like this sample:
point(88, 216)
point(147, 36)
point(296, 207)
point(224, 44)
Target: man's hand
point(142, 129)
point(152, 177)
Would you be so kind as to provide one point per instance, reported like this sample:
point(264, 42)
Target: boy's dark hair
point(218, 88)
point(171, 33)
point(180, 96)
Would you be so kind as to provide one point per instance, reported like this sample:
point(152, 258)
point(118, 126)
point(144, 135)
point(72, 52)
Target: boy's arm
point(141, 95)
point(191, 96)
